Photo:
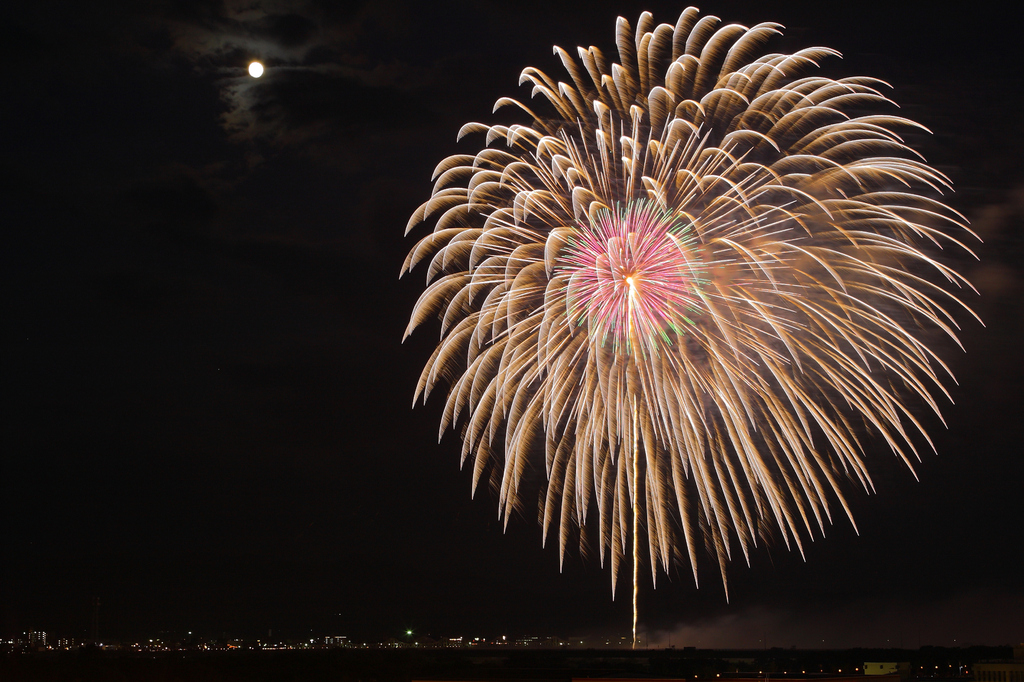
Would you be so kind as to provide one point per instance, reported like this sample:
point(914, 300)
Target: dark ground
point(86, 665)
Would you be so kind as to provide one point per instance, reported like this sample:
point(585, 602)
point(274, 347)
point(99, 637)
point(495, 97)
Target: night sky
point(207, 416)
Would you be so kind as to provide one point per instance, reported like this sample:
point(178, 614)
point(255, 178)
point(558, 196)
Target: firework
point(685, 292)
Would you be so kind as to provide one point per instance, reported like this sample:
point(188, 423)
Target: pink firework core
point(633, 276)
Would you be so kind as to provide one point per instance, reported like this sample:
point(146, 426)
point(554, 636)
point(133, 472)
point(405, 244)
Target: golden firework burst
point(685, 291)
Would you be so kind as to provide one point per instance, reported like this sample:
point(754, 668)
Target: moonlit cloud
point(319, 80)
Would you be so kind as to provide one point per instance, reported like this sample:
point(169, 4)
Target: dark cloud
point(958, 620)
point(289, 30)
point(286, 108)
point(180, 199)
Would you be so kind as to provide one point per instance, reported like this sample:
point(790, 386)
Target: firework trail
point(686, 292)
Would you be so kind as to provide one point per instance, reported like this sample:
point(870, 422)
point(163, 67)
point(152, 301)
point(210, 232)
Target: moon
point(255, 69)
